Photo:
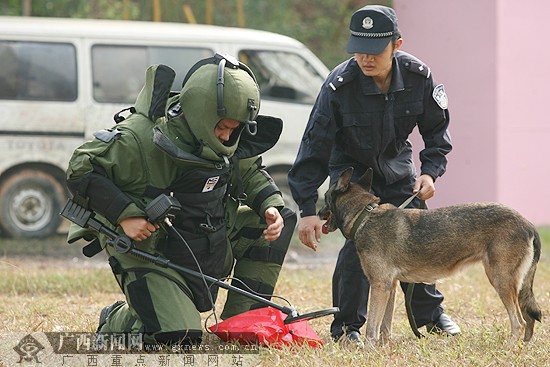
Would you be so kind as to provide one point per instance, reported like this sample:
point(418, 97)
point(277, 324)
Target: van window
point(37, 71)
point(283, 75)
point(118, 71)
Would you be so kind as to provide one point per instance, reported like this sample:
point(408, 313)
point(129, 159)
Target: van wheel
point(30, 202)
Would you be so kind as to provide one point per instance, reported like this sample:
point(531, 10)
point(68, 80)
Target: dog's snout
point(324, 213)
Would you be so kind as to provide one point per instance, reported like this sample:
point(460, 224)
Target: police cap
point(372, 28)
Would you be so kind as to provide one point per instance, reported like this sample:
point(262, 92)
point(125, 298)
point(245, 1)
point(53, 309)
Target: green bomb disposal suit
point(168, 146)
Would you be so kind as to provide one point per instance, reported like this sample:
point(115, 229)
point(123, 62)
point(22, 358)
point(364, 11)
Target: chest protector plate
point(201, 222)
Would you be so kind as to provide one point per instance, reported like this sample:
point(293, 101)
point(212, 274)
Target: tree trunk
point(208, 18)
point(27, 8)
point(240, 14)
point(126, 10)
point(157, 14)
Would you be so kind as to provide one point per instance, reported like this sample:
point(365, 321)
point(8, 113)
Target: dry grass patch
point(44, 293)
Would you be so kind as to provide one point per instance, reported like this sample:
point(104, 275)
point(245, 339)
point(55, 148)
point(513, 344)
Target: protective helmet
point(216, 88)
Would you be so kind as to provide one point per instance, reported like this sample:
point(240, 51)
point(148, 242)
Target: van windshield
point(118, 71)
point(283, 75)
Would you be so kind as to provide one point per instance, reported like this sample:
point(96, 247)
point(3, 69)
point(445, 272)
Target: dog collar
point(366, 210)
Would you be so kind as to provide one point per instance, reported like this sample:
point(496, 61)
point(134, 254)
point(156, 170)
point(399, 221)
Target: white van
point(63, 79)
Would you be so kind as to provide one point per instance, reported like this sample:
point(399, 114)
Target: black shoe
point(106, 312)
point(443, 326)
point(353, 338)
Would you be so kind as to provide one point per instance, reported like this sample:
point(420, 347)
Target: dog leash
point(408, 307)
point(411, 198)
point(410, 287)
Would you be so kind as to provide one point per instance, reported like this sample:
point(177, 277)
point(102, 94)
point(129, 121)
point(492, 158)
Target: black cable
point(254, 292)
point(169, 224)
point(208, 287)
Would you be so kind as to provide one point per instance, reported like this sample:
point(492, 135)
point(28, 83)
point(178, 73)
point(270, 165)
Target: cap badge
point(368, 23)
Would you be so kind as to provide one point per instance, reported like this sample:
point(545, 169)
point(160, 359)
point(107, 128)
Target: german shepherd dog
point(415, 246)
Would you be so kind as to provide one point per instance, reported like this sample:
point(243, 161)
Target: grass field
point(48, 286)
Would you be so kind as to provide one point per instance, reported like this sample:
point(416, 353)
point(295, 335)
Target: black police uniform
point(354, 124)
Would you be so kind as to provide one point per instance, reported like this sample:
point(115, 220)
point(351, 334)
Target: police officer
point(363, 115)
point(202, 146)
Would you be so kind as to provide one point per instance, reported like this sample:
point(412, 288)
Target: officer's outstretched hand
point(138, 228)
point(275, 224)
point(309, 230)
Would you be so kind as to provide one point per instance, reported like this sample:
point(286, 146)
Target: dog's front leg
point(380, 292)
point(385, 329)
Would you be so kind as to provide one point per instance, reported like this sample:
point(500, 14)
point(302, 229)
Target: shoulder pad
point(106, 135)
point(341, 79)
point(418, 68)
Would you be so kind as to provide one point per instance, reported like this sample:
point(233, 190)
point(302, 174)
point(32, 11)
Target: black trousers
point(350, 287)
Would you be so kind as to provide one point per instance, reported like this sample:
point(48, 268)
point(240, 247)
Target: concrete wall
point(490, 56)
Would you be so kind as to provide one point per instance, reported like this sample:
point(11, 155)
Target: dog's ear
point(344, 180)
point(366, 179)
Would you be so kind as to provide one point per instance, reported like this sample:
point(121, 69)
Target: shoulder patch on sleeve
point(106, 135)
point(440, 96)
point(418, 68)
point(340, 79)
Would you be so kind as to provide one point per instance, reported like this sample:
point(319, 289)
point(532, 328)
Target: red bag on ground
point(265, 326)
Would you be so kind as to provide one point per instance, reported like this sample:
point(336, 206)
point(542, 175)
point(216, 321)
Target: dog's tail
point(529, 306)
